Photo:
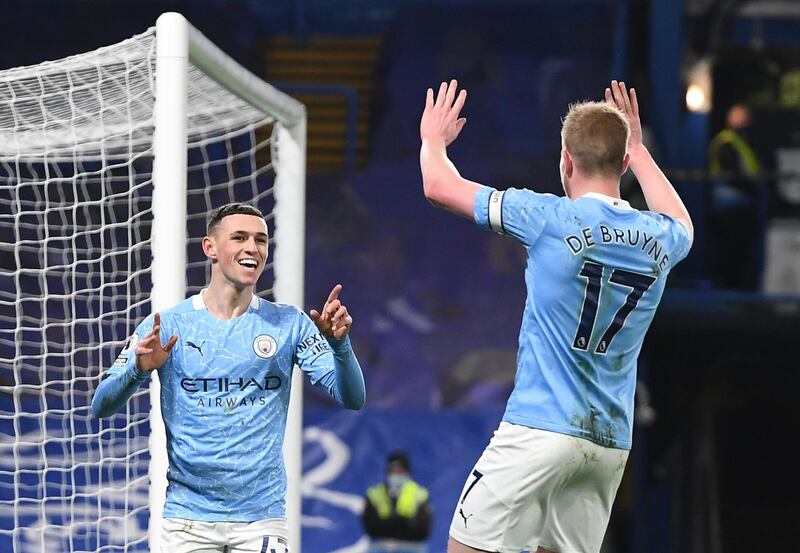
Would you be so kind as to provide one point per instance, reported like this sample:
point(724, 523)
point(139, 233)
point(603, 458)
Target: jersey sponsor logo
point(121, 361)
point(193, 385)
point(130, 345)
point(314, 345)
point(229, 404)
point(265, 346)
point(204, 391)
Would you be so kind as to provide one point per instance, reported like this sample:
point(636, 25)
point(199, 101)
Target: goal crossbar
point(215, 63)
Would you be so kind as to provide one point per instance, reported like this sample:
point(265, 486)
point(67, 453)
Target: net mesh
point(76, 187)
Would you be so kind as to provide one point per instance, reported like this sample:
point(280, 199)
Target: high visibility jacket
point(411, 496)
point(748, 159)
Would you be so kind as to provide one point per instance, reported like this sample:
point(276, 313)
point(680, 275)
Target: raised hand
point(335, 321)
point(617, 95)
point(150, 354)
point(440, 120)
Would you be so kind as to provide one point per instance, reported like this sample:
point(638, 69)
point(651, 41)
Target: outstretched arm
point(346, 384)
point(116, 390)
point(659, 194)
point(440, 125)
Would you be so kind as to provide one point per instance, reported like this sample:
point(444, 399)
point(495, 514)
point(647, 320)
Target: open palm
point(617, 95)
point(150, 354)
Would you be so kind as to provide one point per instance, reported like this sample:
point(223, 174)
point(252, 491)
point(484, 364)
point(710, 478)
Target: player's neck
point(225, 301)
point(580, 186)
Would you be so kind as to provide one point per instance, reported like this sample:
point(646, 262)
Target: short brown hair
point(596, 135)
point(235, 208)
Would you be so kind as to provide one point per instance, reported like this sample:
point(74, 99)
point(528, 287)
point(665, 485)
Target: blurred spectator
point(730, 156)
point(739, 197)
point(397, 514)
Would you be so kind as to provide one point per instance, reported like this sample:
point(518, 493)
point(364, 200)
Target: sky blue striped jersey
point(224, 400)
point(595, 273)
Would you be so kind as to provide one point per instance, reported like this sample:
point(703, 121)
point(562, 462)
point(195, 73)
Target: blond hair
point(596, 134)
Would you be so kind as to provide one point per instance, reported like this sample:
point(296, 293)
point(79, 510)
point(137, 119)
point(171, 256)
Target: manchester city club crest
point(265, 346)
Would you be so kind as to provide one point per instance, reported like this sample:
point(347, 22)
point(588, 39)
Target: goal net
point(110, 163)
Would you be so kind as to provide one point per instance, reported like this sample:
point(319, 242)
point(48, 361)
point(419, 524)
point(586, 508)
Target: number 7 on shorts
point(478, 475)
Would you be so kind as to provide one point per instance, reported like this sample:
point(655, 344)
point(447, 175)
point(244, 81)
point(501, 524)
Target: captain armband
point(496, 211)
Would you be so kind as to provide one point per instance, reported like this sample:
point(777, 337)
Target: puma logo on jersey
point(461, 512)
point(195, 346)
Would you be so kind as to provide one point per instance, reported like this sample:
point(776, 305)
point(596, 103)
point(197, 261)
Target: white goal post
point(177, 45)
point(110, 162)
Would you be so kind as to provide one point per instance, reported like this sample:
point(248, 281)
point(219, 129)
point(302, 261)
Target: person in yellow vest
point(730, 156)
point(739, 201)
point(398, 508)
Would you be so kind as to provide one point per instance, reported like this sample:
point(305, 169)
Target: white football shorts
point(193, 536)
point(534, 488)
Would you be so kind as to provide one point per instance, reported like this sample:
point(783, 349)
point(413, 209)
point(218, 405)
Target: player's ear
point(209, 248)
point(568, 164)
point(626, 161)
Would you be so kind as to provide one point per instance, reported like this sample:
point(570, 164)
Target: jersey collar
point(613, 202)
point(199, 303)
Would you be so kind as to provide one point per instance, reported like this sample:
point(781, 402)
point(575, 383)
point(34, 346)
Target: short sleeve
point(519, 213)
point(312, 352)
point(679, 239)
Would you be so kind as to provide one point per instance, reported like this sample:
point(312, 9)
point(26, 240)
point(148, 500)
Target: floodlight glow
point(696, 100)
point(699, 87)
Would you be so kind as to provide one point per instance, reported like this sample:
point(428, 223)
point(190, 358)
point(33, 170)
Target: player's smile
point(251, 260)
point(249, 264)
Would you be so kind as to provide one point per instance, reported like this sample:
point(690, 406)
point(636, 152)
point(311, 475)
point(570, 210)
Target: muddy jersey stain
point(600, 432)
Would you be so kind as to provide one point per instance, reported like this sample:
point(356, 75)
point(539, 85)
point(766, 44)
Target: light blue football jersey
point(224, 399)
point(595, 273)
